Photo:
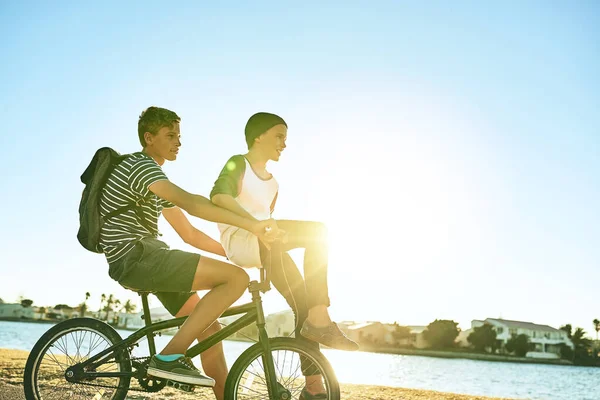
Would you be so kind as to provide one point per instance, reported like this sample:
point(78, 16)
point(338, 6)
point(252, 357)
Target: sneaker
point(178, 368)
point(305, 395)
point(330, 336)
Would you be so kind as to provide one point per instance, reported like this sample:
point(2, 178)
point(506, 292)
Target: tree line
point(108, 304)
point(441, 334)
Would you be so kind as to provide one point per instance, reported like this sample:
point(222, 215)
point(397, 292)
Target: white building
point(546, 340)
point(15, 311)
point(375, 333)
point(280, 324)
point(136, 321)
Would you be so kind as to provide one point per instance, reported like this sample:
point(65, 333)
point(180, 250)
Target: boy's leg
point(312, 236)
point(226, 283)
point(288, 281)
point(213, 359)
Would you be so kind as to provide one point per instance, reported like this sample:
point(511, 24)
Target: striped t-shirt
point(127, 184)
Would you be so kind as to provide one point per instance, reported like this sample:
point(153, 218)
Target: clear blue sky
point(452, 149)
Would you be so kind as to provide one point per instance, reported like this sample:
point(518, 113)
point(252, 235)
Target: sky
point(453, 150)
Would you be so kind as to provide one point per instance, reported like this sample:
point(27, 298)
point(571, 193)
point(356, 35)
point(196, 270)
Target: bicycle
point(266, 370)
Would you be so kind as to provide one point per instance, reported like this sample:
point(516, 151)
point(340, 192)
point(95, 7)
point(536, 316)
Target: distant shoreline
point(33, 321)
point(467, 355)
point(391, 350)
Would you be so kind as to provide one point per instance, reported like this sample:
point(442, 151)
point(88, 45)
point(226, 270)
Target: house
point(375, 333)
point(280, 324)
point(15, 311)
point(546, 340)
point(417, 339)
point(131, 321)
point(370, 333)
point(136, 321)
point(59, 313)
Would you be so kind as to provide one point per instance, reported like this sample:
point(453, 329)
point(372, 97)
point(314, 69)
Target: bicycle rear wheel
point(247, 380)
point(66, 344)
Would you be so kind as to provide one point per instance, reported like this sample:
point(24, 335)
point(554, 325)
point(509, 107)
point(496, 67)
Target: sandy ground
point(12, 363)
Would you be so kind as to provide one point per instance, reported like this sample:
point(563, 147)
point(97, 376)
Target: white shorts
point(242, 248)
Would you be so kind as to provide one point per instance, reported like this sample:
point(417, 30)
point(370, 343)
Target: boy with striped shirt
point(138, 260)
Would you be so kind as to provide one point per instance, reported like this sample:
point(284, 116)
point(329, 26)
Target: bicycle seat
point(139, 291)
point(142, 292)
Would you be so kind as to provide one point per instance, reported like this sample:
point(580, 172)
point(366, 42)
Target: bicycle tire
point(255, 352)
point(50, 340)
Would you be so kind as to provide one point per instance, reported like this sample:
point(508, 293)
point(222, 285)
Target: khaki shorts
point(242, 248)
point(152, 266)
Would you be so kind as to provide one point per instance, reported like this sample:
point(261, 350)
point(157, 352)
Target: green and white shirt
point(257, 196)
point(127, 184)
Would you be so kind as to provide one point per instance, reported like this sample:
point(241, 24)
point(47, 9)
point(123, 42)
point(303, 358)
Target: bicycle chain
point(116, 387)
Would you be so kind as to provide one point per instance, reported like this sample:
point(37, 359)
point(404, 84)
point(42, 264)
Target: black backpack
point(94, 178)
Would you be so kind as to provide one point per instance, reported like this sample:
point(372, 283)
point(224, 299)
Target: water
point(484, 378)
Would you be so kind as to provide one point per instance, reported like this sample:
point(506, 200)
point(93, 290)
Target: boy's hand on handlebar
point(266, 230)
point(276, 234)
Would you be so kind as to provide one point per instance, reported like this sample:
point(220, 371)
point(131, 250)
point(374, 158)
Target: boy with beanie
point(246, 188)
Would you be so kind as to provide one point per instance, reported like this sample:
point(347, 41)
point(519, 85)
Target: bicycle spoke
point(288, 361)
point(69, 349)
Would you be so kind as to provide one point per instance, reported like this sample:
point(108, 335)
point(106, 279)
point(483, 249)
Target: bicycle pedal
point(186, 387)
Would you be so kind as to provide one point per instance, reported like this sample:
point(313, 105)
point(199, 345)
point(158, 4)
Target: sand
point(12, 363)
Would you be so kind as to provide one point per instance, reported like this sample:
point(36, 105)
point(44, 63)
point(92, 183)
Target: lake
point(484, 378)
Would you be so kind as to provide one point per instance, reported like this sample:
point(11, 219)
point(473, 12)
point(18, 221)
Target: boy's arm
point(229, 185)
point(228, 202)
point(192, 236)
point(201, 207)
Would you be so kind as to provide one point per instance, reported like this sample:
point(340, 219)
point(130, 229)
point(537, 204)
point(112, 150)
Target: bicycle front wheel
point(66, 344)
point(247, 378)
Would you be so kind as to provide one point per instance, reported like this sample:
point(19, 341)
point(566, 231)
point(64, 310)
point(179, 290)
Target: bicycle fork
point(276, 391)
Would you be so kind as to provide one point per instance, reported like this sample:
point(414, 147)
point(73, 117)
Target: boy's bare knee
point(241, 279)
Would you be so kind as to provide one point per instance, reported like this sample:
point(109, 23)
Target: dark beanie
point(259, 123)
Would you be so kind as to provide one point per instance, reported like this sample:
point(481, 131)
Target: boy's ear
point(148, 137)
point(258, 138)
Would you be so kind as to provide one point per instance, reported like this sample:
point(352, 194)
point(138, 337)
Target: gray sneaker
point(305, 395)
point(330, 336)
point(179, 370)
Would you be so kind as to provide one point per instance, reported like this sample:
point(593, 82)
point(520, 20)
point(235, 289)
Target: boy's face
point(272, 142)
point(165, 144)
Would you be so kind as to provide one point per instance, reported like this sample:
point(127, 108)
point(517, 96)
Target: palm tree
point(109, 305)
point(83, 306)
point(581, 343)
point(128, 307)
point(596, 323)
point(115, 316)
point(102, 300)
point(82, 309)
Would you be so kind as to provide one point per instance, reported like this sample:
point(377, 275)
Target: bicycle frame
point(253, 312)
